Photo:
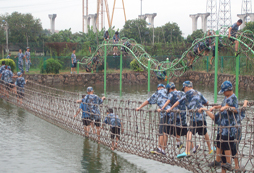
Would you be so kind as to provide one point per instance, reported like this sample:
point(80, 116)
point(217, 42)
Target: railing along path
point(141, 128)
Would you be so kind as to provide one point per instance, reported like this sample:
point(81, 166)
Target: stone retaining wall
point(89, 79)
point(201, 78)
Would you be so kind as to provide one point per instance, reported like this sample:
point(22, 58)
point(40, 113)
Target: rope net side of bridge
point(140, 128)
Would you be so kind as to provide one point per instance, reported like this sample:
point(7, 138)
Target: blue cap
point(9, 67)
point(19, 73)
point(226, 86)
point(161, 85)
point(89, 89)
point(28, 48)
point(170, 85)
point(187, 84)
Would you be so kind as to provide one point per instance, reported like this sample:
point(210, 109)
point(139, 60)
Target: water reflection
point(97, 158)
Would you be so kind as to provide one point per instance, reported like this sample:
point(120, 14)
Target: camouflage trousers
point(20, 65)
point(28, 65)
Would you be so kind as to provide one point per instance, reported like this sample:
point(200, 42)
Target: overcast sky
point(69, 12)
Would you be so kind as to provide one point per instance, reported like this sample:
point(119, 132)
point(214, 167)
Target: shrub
point(135, 66)
point(51, 66)
point(9, 62)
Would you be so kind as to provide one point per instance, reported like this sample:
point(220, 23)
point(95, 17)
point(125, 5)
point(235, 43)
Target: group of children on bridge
point(168, 99)
point(173, 123)
point(91, 117)
point(8, 85)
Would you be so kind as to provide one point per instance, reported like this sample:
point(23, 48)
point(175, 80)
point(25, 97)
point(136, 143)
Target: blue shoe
point(179, 156)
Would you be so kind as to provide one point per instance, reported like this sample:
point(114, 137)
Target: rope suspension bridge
point(140, 127)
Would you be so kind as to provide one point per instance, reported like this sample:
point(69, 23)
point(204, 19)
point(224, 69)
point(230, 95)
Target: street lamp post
point(6, 28)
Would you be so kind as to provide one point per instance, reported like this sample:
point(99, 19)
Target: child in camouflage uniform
point(20, 60)
point(193, 100)
point(20, 84)
point(177, 125)
point(2, 68)
point(160, 98)
point(115, 126)
point(7, 76)
point(227, 130)
point(93, 101)
point(28, 59)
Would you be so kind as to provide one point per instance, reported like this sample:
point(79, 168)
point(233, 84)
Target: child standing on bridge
point(115, 126)
point(178, 123)
point(20, 84)
point(92, 102)
point(193, 100)
point(160, 98)
point(227, 131)
point(2, 68)
point(86, 119)
point(7, 76)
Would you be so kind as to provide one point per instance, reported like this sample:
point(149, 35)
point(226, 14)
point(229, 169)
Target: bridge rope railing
point(141, 128)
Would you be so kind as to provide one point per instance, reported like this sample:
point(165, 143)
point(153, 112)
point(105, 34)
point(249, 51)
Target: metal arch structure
point(178, 66)
point(138, 52)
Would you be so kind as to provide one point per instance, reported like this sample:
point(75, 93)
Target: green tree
point(172, 33)
point(249, 26)
point(22, 27)
point(196, 34)
point(136, 29)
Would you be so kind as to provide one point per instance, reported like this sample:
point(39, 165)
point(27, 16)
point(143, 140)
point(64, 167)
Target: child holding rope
point(115, 126)
point(227, 120)
point(178, 119)
point(193, 100)
point(160, 98)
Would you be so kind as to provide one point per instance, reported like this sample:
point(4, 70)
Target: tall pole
point(141, 8)
point(102, 15)
point(121, 71)
point(216, 66)
point(167, 71)
point(149, 68)
point(105, 70)
point(83, 13)
point(87, 7)
point(7, 39)
point(237, 75)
